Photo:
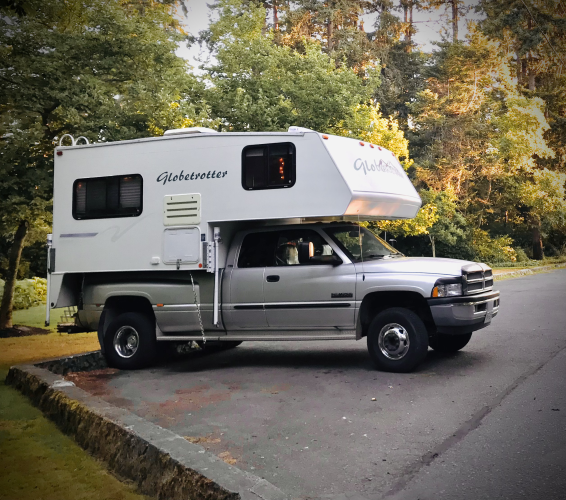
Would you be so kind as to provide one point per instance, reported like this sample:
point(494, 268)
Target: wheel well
point(374, 303)
point(121, 304)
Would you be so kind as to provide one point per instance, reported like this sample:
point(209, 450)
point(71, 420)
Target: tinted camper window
point(104, 197)
point(268, 166)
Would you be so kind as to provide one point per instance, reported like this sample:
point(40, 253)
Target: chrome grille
point(477, 278)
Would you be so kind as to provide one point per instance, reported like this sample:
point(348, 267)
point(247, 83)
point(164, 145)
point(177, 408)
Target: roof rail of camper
point(190, 130)
point(74, 142)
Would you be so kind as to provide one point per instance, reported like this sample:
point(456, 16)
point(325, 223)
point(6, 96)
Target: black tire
point(397, 340)
point(221, 345)
point(449, 343)
point(129, 341)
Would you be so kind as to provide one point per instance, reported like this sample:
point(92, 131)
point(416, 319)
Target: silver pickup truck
point(320, 281)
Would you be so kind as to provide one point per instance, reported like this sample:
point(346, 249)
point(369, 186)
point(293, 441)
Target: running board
point(272, 336)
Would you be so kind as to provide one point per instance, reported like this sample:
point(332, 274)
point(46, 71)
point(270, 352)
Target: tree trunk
point(330, 35)
point(431, 238)
point(410, 26)
point(538, 253)
point(519, 69)
point(454, 20)
point(10, 285)
point(275, 16)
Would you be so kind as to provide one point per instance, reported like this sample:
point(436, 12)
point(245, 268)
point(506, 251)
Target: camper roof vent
point(294, 129)
point(181, 209)
point(190, 130)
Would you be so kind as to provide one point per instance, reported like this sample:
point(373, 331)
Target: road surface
point(301, 414)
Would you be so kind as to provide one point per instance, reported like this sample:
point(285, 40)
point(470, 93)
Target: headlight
point(447, 290)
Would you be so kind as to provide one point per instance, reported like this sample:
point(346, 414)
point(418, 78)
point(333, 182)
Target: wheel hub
point(393, 341)
point(126, 341)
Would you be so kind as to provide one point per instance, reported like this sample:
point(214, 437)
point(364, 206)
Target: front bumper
point(465, 314)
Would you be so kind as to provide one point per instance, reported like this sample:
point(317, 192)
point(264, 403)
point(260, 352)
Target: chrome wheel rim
point(393, 341)
point(126, 341)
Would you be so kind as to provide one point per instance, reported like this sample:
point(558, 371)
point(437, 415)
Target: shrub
point(521, 255)
point(29, 293)
point(487, 249)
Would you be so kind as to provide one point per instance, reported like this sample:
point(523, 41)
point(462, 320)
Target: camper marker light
point(325, 137)
point(371, 146)
point(59, 153)
point(159, 305)
point(361, 143)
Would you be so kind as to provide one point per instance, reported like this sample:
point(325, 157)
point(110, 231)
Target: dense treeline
point(479, 123)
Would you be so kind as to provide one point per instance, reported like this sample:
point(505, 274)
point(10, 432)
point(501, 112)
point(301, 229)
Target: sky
point(429, 25)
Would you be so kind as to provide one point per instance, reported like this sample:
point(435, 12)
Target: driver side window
point(297, 247)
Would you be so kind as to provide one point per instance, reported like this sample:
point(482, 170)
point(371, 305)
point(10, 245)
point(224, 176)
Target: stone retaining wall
point(161, 463)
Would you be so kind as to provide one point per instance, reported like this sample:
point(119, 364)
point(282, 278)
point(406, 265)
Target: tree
point(257, 84)
point(104, 69)
point(457, 8)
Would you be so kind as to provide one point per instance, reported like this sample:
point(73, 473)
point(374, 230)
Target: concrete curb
point(527, 271)
point(161, 463)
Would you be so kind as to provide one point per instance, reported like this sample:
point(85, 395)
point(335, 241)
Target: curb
point(161, 463)
point(528, 271)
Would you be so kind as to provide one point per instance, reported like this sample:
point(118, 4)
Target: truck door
point(246, 280)
point(308, 291)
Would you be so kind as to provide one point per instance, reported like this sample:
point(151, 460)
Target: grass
point(37, 460)
point(547, 261)
point(35, 316)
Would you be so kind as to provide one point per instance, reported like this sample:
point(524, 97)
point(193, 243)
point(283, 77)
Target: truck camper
point(220, 238)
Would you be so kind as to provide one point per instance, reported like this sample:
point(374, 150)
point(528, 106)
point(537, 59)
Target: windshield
point(348, 239)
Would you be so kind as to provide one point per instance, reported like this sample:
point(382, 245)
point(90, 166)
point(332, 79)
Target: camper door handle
point(272, 279)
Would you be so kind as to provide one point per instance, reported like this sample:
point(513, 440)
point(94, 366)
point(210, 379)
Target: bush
point(28, 293)
point(487, 249)
point(521, 255)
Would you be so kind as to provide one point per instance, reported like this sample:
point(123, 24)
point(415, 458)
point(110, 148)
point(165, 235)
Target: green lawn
point(35, 316)
point(37, 461)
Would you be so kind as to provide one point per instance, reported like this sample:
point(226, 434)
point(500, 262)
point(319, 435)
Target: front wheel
point(397, 340)
point(449, 343)
point(129, 341)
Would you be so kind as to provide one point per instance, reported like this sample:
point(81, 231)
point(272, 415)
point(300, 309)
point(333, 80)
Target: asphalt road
point(301, 415)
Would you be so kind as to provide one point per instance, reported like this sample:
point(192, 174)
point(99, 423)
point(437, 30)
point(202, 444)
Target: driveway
point(303, 415)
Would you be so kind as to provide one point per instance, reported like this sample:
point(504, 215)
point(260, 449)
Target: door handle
point(272, 279)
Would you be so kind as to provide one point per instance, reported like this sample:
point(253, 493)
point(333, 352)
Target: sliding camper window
point(268, 166)
point(106, 197)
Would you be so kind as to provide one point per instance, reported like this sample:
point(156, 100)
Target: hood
point(421, 265)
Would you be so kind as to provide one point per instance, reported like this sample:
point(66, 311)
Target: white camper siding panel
point(210, 166)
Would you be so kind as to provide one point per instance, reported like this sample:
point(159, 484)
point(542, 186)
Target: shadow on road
point(349, 359)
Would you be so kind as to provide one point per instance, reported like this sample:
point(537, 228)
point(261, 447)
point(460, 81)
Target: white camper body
point(335, 179)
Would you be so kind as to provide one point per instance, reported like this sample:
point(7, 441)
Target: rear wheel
point(449, 343)
point(129, 341)
point(397, 340)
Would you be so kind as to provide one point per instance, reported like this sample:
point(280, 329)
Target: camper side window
point(105, 197)
point(268, 166)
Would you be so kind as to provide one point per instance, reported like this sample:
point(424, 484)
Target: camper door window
point(268, 166)
point(105, 197)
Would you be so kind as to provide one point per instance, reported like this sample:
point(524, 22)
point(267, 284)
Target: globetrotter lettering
point(166, 177)
point(377, 166)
